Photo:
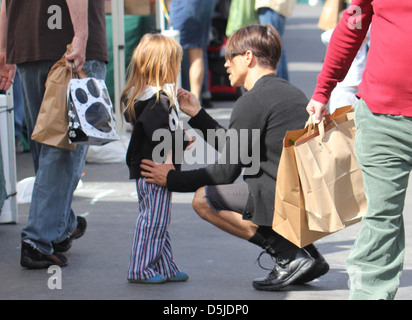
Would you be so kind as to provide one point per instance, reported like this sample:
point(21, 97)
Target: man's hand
point(79, 16)
point(318, 109)
point(7, 73)
point(78, 55)
point(156, 173)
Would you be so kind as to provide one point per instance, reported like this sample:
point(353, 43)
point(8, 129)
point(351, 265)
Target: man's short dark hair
point(263, 41)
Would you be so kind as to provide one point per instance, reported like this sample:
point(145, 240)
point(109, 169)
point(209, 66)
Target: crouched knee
point(200, 204)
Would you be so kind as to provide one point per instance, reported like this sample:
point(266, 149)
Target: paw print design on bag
point(91, 119)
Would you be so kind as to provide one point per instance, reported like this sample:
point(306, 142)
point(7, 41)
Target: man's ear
point(250, 57)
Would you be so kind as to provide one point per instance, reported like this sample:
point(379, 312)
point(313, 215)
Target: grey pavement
point(220, 266)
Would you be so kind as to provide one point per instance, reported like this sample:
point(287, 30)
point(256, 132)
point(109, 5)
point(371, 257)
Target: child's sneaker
point(181, 276)
point(153, 280)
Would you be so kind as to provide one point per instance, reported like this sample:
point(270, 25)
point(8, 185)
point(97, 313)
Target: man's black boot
point(321, 268)
point(292, 264)
point(286, 272)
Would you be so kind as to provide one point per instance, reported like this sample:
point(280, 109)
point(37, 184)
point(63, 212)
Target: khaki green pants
point(383, 146)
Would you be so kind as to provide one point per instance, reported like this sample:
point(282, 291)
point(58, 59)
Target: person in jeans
point(34, 36)
point(275, 12)
point(262, 115)
point(383, 146)
point(193, 19)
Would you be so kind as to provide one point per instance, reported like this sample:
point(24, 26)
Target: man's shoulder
point(271, 90)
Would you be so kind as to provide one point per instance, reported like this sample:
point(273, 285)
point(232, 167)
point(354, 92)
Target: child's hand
point(188, 102)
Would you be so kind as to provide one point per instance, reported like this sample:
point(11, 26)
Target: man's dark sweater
point(273, 106)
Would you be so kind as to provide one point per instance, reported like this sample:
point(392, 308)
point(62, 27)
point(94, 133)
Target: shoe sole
point(174, 280)
point(28, 263)
point(299, 273)
point(181, 279)
point(147, 281)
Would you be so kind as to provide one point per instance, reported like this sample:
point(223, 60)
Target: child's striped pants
point(152, 250)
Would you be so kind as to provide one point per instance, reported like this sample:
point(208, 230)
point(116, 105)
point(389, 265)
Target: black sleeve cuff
point(203, 121)
point(187, 181)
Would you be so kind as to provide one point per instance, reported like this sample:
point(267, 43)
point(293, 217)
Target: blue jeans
point(193, 19)
point(51, 219)
point(269, 16)
point(18, 107)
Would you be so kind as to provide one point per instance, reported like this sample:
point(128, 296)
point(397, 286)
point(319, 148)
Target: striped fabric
point(152, 250)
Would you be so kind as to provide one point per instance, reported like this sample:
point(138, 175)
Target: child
point(150, 106)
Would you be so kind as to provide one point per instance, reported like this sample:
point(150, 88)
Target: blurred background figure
point(275, 12)
point(193, 19)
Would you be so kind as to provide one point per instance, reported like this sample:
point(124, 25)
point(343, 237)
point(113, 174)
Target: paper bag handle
point(320, 127)
point(310, 125)
point(73, 65)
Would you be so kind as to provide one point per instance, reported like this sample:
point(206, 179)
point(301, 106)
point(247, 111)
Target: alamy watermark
point(55, 280)
point(55, 20)
point(355, 20)
point(238, 147)
point(55, 17)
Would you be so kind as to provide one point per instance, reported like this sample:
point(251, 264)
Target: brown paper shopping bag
point(331, 179)
point(289, 219)
point(52, 121)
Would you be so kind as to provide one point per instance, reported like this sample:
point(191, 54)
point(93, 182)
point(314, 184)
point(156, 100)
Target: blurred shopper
point(193, 19)
point(383, 145)
point(275, 12)
point(34, 35)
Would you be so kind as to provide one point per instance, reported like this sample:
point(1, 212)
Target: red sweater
point(386, 84)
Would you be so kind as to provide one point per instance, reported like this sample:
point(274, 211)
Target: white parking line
point(101, 195)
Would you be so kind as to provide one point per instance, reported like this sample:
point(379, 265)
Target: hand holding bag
point(330, 176)
point(90, 111)
point(293, 218)
point(52, 121)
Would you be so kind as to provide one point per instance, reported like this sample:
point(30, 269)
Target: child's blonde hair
point(155, 62)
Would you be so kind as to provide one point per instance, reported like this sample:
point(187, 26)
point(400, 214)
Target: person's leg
point(226, 220)
point(51, 219)
point(193, 20)
point(196, 70)
point(233, 223)
point(206, 95)
point(166, 265)
point(33, 77)
point(384, 153)
point(150, 235)
point(95, 69)
point(221, 206)
point(18, 113)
